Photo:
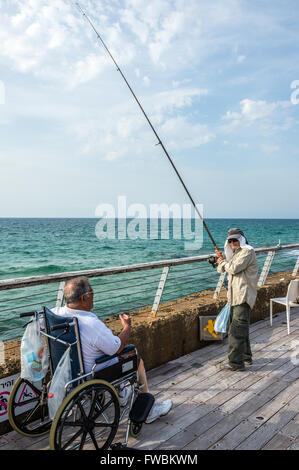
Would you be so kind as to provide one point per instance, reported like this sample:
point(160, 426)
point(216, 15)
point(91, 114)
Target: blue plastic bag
point(220, 324)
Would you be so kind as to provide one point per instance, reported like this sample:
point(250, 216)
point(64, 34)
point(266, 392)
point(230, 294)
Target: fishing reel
point(213, 261)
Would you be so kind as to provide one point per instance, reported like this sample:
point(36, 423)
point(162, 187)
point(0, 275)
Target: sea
point(41, 246)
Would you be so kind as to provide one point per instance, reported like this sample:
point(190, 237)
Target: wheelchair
point(89, 415)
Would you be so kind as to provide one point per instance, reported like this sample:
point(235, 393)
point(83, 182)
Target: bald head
point(75, 288)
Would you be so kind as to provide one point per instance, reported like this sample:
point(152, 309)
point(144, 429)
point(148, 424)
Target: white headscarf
point(227, 249)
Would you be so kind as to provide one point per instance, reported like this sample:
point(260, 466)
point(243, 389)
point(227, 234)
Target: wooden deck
point(216, 409)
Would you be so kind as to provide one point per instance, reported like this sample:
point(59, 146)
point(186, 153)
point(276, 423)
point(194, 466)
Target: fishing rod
point(152, 127)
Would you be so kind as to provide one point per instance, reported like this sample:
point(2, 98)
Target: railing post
point(60, 295)
point(219, 285)
point(2, 358)
point(159, 292)
point(296, 267)
point(266, 268)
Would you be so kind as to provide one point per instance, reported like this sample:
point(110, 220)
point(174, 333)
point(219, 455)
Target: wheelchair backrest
point(57, 349)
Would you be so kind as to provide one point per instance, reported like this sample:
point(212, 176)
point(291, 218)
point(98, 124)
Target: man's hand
point(125, 320)
point(219, 256)
point(125, 333)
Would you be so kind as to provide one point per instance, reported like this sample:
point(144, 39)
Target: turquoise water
point(31, 247)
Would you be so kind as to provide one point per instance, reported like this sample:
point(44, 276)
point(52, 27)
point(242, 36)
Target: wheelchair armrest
point(105, 358)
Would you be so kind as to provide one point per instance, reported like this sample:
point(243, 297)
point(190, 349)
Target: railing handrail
point(30, 281)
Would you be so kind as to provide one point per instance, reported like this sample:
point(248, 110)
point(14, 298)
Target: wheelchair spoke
point(31, 413)
point(75, 436)
point(89, 420)
point(104, 408)
point(93, 405)
point(101, 413)
point(83, 440)
point(94, 440)
point(84, 417)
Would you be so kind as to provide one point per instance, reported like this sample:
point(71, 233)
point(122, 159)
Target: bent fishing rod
point(149, 122)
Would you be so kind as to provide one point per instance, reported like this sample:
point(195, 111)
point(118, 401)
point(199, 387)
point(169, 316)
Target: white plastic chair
point(288, 301)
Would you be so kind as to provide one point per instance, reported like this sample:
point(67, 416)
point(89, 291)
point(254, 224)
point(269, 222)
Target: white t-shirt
point(96, 339)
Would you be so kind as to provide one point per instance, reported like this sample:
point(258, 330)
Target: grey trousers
point(238, 336)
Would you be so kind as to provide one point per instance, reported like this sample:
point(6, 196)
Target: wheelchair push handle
point(28, 314)
point(61, 326)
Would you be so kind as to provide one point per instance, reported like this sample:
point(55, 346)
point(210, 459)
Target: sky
point(218, 80)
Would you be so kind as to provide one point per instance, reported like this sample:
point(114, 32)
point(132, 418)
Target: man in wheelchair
point(97, 339)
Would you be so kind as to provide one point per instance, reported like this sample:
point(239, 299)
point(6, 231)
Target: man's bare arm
point(126, 331)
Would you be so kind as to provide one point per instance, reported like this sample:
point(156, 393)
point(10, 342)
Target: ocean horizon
point(42, 246)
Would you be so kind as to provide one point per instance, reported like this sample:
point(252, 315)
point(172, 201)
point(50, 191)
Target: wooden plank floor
point(216, 409)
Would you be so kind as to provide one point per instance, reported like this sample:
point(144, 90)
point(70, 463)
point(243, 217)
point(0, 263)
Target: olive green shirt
point(242, 272)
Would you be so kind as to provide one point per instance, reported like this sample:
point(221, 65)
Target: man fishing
point(239, 261)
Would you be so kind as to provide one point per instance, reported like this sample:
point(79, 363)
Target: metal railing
point(131, 288)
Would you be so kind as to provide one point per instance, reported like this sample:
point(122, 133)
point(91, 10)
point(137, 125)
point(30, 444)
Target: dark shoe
point(228, 367)
point(248, 362)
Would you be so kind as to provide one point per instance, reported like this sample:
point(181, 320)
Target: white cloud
point(181, 57)
point(181, 134)
point(87, 68)
point(253, 110)
point(241, 59)
point(243, 145)
point(2, 93)
point(54, 43)
point(103, 134)
point(268, 116)
point(140, 28)
point(268, 148)
point(169, 100)
point(172, 26)
point(146, 80)
point(177, 83)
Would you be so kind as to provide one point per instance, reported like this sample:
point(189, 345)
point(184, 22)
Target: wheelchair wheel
point(28, 408)
point(88, 418)
point(135, 429)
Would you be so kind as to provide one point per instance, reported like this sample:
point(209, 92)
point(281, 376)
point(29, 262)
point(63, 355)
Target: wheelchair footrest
point(141, 407)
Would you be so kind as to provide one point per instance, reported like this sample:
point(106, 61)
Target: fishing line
point(149, 122)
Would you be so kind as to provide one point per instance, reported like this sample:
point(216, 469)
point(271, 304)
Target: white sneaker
point(124, 396)
point(159, 409)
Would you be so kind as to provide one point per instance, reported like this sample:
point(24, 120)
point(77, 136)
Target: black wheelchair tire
point(73, 399)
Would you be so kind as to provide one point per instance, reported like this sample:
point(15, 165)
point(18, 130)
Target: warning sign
point(206, 329)
point(6, 384)
point(24, 397)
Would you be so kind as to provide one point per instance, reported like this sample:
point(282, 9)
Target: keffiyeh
point(239, 235)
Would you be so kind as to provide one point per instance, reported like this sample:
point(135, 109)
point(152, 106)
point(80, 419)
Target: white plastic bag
point(62, 375)
point(220, 324)
point(34, 354)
